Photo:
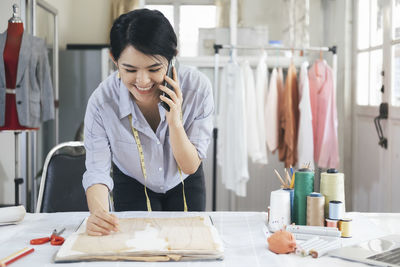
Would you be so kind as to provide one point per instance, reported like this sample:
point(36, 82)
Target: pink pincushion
point(282, 242)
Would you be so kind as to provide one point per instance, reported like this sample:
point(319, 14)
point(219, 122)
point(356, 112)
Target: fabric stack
point(12, 215)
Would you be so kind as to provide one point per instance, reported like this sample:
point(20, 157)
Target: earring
point(118, 76)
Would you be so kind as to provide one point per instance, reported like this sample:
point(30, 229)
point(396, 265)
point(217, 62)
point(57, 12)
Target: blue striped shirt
point(109, 137)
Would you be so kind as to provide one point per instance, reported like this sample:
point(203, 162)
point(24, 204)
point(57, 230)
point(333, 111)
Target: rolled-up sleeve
point(200, 129)
point(97, 145)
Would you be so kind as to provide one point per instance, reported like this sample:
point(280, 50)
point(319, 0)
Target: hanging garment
point(271, 112)
point(261, 100)
point(34, 90)
point(324, 114)
point(253, 139)
point(280, 118)
point(232, 140)
point(288, 151)
point(305, 142)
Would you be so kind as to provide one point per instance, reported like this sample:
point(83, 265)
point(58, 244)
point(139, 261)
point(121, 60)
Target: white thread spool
point(279, 210)
point(335, 210)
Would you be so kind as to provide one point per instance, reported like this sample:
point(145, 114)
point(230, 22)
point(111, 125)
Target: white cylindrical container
point(279, 210)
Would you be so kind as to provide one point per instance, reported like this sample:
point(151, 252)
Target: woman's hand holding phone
point(174, 101)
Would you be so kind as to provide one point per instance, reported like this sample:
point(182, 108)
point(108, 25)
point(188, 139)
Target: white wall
point(83, 22)
point(273, 14)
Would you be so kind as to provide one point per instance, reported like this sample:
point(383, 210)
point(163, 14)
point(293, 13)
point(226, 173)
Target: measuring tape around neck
point(143, 166)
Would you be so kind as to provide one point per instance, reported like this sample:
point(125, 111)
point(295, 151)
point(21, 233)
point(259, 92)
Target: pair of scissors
point(55, 239)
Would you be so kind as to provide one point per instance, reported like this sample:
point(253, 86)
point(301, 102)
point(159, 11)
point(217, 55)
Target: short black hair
point(148, 31)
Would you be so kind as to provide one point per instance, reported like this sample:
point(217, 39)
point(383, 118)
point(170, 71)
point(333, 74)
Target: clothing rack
point(217, 47)
point(36, 146)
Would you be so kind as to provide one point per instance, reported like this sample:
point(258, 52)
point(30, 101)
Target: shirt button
point(158, 142)
point(162, 187)
point(160, 169)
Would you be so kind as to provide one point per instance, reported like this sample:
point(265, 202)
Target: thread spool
point(279, 210)
point(332, 187)
point(291, 192)
point(345, 227)
point(303, 186)
point(335, 210)
point(315, 209)
point(331, 223)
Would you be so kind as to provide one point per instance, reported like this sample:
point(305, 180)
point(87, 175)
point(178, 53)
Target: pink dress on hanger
point(324, 115)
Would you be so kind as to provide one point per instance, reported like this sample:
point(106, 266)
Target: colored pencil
point(15, 256)
point(287, 176)
point(280, 178)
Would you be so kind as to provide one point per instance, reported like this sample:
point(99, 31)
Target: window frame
point(369, 49)
point(393, 43)
point(176, 7)
point(388, 43)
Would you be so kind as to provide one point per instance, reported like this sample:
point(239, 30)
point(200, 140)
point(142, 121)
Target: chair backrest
point(61, 187)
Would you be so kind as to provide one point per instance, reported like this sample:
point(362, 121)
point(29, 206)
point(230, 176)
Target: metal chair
point(61, 184)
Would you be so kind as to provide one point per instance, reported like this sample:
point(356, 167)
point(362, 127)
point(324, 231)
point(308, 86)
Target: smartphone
point(170, 74)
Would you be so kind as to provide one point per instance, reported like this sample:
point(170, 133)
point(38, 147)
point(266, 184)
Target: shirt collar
point(124, 103)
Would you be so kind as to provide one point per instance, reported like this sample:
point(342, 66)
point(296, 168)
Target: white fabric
point(271, 113)
point(241, 232)
point(261, 100)
point(305, 142)
point(232, 143)
point(12, 215)
point(253, 140)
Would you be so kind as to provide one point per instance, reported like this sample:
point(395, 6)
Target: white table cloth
point(241, 233)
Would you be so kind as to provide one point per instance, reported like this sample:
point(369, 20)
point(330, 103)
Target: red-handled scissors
point(55, 239)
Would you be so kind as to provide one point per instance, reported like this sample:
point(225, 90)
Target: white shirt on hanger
point(253, 140)
point(232, 138)
point(271, 113)
point(261, 100)
point(305, 142)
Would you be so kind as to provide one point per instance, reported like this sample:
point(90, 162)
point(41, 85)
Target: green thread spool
point(303, 186)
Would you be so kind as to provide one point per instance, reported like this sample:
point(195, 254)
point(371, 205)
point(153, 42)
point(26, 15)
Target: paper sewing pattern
point(147, 239)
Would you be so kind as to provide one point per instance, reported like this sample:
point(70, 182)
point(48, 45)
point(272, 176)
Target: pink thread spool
point(331, 223)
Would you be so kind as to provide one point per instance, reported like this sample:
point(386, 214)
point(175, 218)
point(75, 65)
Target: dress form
point(11, 56)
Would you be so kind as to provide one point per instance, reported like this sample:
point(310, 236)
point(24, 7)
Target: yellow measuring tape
point(142, 164)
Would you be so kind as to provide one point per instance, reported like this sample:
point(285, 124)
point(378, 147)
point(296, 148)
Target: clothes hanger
point(291, 58)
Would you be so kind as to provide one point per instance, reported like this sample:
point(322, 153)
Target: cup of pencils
point(288, 185)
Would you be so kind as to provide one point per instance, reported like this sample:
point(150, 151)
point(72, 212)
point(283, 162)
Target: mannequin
point(11, 55)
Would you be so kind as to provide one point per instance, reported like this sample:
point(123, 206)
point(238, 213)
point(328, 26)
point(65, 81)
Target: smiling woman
point(155, 154)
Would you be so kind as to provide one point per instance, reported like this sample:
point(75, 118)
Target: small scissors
point(55, 239)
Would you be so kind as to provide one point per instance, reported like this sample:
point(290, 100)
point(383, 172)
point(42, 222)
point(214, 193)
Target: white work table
point(241, 233)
